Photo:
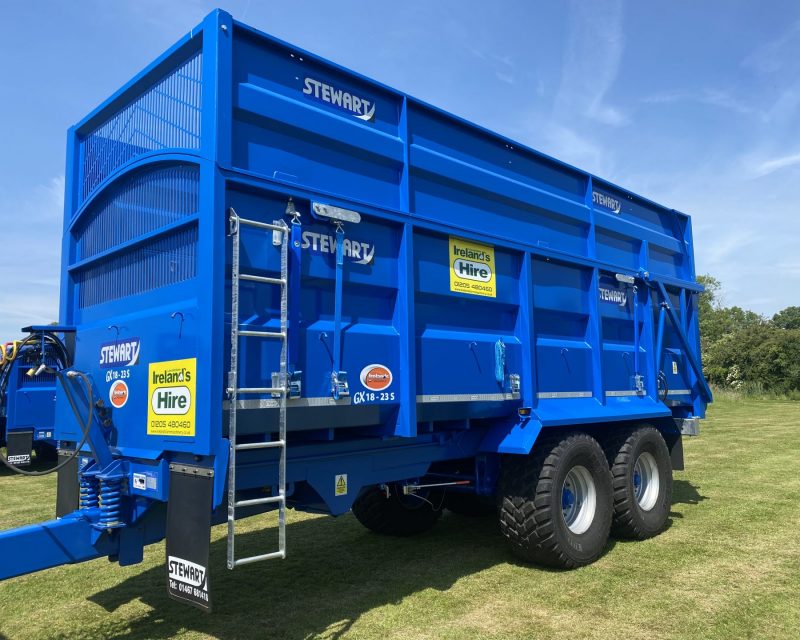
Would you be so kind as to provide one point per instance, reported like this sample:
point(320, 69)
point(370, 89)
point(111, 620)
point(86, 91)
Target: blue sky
point(692, 104)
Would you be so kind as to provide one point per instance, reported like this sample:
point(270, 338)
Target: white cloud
point(504, 77)
point(711, 97)
point(29, 261)
point(568, 145)
point(761, 168)
point(771, 57)
point(592, 61)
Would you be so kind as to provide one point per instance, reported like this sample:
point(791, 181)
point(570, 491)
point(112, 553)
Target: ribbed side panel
point(167, 260)
point(166, 116)
point(146, 203)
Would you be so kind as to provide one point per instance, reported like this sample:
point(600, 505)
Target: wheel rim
point(578, 499)
point(646, 481)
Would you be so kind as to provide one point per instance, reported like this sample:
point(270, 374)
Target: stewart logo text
point(606, 202)
point(361, 108)
point(357, 252)
point(614, 295)
point(185, 571)
point(122, 353)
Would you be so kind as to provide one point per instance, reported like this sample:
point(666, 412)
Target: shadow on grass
point(684, 492)
point(335, 571)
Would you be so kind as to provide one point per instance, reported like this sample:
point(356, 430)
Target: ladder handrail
point(233, 386)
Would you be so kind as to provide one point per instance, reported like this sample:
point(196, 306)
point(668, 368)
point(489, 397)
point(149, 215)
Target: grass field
point(727, 567)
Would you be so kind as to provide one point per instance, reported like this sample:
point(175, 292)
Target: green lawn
point(727, 567)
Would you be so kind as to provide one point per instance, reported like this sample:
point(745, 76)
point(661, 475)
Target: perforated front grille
point(166, 116)
point(167, 260)
point(145, 203)
point(43, 379)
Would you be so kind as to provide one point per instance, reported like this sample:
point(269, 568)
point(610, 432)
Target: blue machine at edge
point(292, 286)
point(27, 394)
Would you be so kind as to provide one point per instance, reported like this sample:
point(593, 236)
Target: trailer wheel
point(556, 503)
point(398, 514)
point(642, 476)
point(469, 504)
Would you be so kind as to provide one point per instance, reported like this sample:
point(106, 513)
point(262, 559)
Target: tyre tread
point(525, 502)
point(618, 449)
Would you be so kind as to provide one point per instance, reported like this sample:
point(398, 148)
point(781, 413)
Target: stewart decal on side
point(607, 202)
point(357, 252)
point(472, 268)
point(613, 295)
point(343, 100)
point(120, 353)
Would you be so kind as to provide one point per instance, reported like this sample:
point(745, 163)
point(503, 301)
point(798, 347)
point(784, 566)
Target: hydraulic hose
point(51, 343)
point(62, 377)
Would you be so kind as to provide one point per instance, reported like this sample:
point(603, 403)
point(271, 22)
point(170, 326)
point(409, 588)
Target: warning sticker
point(171, 390)
point(140, 481)
point(341, 485)
point(674, 368)
point(472, 268)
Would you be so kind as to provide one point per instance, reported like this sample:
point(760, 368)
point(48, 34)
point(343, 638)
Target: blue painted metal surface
point(30, 403)
point(27, 392)
point(481, 280)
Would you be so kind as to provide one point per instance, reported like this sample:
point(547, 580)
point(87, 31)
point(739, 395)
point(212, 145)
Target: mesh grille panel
point(167, 260)
point(166, 116)
point(147, 202)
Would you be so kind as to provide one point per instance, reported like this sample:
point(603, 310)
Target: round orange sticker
point(118, 394)
point(376, 377)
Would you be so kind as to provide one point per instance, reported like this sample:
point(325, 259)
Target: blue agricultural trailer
point(28, 393)
point(292, 286)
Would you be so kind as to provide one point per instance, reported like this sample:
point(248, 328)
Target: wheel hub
point(646, 481)
point(578, 499)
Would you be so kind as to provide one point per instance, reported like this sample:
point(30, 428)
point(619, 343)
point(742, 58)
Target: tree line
point(745, 351)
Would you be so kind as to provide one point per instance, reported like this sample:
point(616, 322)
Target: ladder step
point(277, 335)
point(255, 501)
point(262, 279)
point(273, 444)
point(260, 390)
point(264, 556)
point(263, 225)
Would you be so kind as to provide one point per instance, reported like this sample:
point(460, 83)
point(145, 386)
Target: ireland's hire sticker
point(171, 392)
point(472, 268)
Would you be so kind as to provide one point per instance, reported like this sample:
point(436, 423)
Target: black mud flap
point(189, 534)
point(20, 445)
point(676, 454)
point(68, 487)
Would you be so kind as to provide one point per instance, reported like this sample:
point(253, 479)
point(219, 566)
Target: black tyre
point(556, 503)
point(469, 504)
point(397, 514)
point(642, 477)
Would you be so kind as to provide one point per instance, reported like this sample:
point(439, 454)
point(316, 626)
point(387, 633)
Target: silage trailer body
point(412, 298)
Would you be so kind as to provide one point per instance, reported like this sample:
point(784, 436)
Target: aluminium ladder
point(279, 388)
